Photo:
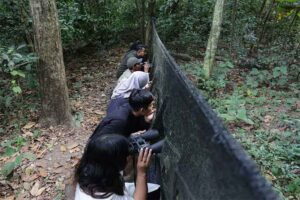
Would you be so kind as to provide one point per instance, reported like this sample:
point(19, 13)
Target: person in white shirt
point(121, 93)
point(99, 173)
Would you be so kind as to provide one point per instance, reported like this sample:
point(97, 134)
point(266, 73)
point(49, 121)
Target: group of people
point(100, 172)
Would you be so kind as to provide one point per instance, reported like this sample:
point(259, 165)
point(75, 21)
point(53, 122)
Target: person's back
point(122, 121)
point(123, 64)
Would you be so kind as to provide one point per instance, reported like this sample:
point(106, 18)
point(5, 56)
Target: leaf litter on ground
point(49, 158)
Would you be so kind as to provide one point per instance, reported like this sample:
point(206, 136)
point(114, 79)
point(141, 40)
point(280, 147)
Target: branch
point(291, 6)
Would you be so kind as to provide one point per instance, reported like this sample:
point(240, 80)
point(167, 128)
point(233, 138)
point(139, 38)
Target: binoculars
point(138, 142)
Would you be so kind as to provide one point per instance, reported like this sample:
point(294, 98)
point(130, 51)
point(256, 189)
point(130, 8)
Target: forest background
point(253, 87)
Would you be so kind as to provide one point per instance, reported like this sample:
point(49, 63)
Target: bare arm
point(143, 162)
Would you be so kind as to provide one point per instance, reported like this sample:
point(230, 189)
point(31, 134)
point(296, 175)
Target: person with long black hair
point(99, 173)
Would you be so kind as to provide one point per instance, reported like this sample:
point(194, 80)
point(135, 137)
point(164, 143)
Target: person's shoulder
point(131, 53)
point(126, 74)
point(121, 112)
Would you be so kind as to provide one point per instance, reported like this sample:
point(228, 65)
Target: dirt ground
point(91, 76)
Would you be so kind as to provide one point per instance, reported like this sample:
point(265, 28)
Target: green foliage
point(12, 147)
point(277, 77)
point(233, 109)
point(16, 72)
point(278, 155)
point(182, 22)
point(217, 81)
point(9, 167)
point(15, 22)
point(95, 22)
point(77, 118)
point(14, 64)
point(260, 107)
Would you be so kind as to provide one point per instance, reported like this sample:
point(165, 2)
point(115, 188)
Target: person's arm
point(143, 163)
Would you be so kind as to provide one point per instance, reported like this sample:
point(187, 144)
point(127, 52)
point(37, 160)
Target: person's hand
point(138, 132)
point(148, 118)
point(148, 85)
point(146, 67)
point(143, 161)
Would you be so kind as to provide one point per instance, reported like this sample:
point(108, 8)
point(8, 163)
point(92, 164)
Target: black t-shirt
point(121, 121)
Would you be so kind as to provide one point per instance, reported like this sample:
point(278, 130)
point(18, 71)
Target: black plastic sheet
point(200, 159)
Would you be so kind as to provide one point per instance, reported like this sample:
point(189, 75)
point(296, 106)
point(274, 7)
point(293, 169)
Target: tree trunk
point(51, 70)
point(260, 13)
point(148, 36)
point(265, 22)
point(261, 26)
point(213, 38)
point(233, 38)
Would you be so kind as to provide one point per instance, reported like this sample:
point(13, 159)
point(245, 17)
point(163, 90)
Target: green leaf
point(29, 155)
point(28, 67)
point(8, 168)
point(18, 160)
point(241, 114)
point(17, 90)
point(21, 46)
point(5, 57)
point(294, 186)
point(227, 117)
point(9, 151)
point(17, 55)
point(8, 101)
point(11, 64)
point(276, 73)
point(17, 73)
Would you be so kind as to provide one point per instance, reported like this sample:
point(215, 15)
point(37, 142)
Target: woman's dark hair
point(99, 168)
point(140, 98)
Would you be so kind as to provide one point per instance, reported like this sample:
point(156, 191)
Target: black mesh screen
point(200, 159)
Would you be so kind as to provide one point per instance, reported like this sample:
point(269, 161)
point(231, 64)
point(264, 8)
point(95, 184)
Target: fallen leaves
point(10, 198)
point(63, 148)
point(58, 151)
point(29, 125)
point(36, 190)
point(270, 176)
point(72, 146)
point(43, 172)
point(29, 178)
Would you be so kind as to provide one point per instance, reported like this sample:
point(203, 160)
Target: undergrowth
point(260, 108)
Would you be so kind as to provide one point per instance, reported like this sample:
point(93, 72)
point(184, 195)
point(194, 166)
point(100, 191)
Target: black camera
point(138, 142)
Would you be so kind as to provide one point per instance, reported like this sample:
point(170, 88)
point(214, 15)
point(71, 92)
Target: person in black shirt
point(129, 118)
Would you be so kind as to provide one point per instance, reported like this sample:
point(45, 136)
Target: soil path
point(91, 76)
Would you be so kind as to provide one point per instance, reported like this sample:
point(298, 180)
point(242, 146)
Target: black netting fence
point(200, 159)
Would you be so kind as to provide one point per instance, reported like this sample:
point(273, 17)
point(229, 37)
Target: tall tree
point(151, 14)
point(212, 43)
point(140, 4)
point(51, 70)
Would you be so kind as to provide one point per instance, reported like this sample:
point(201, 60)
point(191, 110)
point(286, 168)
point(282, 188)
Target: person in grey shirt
point(139, 52)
